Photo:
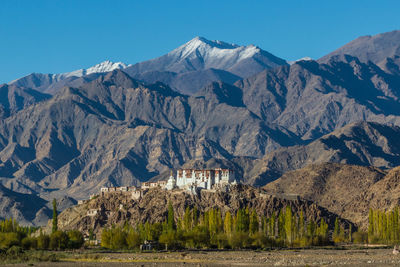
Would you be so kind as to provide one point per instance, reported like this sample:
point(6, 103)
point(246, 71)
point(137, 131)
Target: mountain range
point(206, 103)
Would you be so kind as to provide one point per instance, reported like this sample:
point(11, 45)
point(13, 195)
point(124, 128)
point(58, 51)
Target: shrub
point(58, 240)
point(43, 241)
point(14, 251)
point(8, 240)
point(29, 243)
point(76, 239)
point(113, 238)
point(360, 237)
point(133, 239)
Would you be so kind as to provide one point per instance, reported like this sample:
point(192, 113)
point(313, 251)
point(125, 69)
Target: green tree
point(171, 218)
point(228, 224)
point(55, 216)
point(133, 239)
point(371, 230)
point(301, 224)
point(43, 241)
point(58, 240)
point(253, 227)
point(187, 219)
point(76, 239)
point(288, 225)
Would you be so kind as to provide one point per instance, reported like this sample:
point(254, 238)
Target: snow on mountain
point(301, 59)
point(215, 54)
point(200, 54)
point(105, 66)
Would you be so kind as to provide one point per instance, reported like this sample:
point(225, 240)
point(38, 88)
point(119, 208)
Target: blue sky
point(53, 36)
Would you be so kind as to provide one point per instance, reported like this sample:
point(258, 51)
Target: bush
point(14, 251)
point(133, 239)
point(113, 238)
point(360, 237)
point(58, 240)
point(8, 240)
point(76, 239)
point(169, 239)
point(29, 243)
point(240, 240)
point(43, 241)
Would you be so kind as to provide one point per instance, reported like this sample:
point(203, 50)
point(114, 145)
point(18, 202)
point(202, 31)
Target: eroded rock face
point(116, 208)
point(342, 189)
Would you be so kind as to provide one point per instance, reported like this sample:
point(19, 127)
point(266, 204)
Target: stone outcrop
point(118, 208)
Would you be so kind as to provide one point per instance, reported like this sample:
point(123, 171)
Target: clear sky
point(53, 36)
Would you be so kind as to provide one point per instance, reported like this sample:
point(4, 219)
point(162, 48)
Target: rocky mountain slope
point(342, 189)
point(28, 209)
point(186, 69)
point(312, 99)
point(14, 99)
point(116, 208)
point(200, 54)
point(363, 143)
point(52, 83)
point(115, 131)
point(347, 190)
point(375, 48)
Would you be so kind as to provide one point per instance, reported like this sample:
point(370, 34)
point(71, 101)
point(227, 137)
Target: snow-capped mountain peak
point(210, 51)
point(104, 66)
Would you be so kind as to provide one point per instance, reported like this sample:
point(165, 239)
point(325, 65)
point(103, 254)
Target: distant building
point(193, 179)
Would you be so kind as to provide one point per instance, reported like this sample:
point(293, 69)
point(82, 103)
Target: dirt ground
point(308, 257)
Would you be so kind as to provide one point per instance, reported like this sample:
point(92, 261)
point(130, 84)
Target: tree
point(171, 218)
point(187, 219)
point(59, 240)
point(301, 225)
point(336, 231)
point(55, 217)
point(253, 227)
point(133, 239)
point(75, 239)
point(43, 241)
point(288, 224)
point(228, 224)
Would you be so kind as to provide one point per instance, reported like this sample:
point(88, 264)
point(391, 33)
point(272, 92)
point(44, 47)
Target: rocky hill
point(363, 143)
point(347, 190)
point(342, 189)
point(118, 208)
point(375, 48)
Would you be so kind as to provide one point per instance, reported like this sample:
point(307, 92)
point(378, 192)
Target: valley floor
point(295, 257)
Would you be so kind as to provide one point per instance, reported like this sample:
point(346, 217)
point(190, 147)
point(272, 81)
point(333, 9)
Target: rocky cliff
point(118, 208)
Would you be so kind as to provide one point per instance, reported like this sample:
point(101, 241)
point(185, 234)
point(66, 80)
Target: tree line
point(383, 226)
point(212, 229)
point(14, 237)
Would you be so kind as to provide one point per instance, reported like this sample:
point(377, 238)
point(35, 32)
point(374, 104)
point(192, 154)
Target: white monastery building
point(193, 179)
point(187, 179)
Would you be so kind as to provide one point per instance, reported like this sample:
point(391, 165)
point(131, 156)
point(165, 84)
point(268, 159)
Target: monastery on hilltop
point(191, 180)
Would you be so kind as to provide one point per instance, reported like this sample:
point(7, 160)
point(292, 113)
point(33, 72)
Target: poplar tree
point(228, 224)
point(253, 227)
point(187, 219)
point(272, 224)
point(55, 217)
point(171, 226)
point(371, 227)
point(288, 224)
point(336, 230)
point(301, 225)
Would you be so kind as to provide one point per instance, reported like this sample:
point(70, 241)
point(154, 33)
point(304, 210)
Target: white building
point(201, 179)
